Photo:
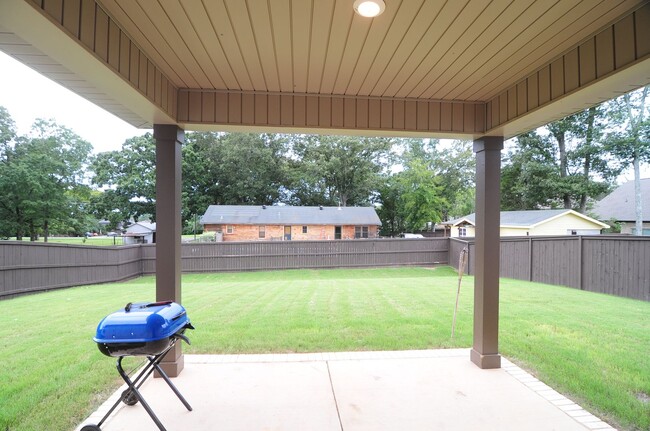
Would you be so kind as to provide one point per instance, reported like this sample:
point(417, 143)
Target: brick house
point(264, 223)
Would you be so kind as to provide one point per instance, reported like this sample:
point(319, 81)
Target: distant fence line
point(30, 267)
point(608, 264)
point(616, 265)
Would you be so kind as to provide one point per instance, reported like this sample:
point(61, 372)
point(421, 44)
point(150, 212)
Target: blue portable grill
point(142, 329)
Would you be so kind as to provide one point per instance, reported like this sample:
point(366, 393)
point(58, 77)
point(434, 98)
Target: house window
point(230, 229)
point(262, 231)
point(361, 231)
point(304, 229)
point(462, 231)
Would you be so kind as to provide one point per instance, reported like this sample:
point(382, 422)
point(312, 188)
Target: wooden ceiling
point(424, 49)
point(435, 67)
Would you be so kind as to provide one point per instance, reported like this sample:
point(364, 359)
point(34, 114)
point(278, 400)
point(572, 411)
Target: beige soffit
point(459, 68)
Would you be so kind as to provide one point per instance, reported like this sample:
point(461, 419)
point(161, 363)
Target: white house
point(140, 233)
point(536, 222)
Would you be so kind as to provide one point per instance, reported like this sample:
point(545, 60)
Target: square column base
point(485, 362)
point(173, 363)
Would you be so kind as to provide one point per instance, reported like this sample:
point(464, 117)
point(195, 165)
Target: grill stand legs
point(134, 385)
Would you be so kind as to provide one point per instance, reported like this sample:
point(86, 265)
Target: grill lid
point(142, 322)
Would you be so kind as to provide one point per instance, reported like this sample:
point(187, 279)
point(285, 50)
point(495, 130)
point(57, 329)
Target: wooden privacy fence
point(248, 256)
point(616, 265)
point(29, 267)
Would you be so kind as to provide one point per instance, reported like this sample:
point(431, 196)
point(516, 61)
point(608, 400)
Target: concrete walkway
point(356, 391)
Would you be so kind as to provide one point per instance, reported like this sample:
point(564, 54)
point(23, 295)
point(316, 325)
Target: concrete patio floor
point(353, 391)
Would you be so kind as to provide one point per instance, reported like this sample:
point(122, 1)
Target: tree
point(336, 170)
point(233, 169)
point(8, 225)
point(559, 130)
point(421, 198)
point(218, 168)
point(129, 179)
point(631, 143)
point(454, 168)
point(566, 167)
point(60, 157)
point(389, 206)
point(591, 155)
point(530, 174)
point(413, 197)
point(39, 174)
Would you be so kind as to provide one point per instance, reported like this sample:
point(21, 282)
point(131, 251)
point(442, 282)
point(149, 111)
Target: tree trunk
point(20, 227)
point(634, 126)
point(46, 230)
point(561, 143)
point(589, 138)
point(638, 202)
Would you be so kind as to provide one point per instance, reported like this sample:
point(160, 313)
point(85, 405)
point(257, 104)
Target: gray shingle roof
point(289, 215)
point(619, 204)
point(518, 218)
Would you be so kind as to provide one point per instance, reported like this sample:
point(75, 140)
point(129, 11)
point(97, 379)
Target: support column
point(169, 139)
point(485, 350)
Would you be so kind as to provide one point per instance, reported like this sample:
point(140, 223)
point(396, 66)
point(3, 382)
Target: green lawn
point(594, 348)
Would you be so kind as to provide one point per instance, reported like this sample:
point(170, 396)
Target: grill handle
point(156, 304)
point(182, 337)
point(128, 306)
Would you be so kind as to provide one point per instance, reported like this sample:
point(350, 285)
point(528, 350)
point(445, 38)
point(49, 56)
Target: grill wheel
point(129, 398)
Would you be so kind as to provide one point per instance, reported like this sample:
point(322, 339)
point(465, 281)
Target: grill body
point(141, 329)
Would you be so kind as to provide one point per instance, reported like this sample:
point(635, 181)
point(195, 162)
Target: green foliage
point(193, 226)
point(41, 178)
point(434, 184)
point(336, 170)
point(530, 175)
point(455, 168)
point(389, 209)
point(420, 198)
point(232, 169)
point(566, 165)
point(128, 177)
point(632, 140)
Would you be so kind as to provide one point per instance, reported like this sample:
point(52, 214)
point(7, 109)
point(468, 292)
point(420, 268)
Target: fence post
point(580, 264)
point(530, 258)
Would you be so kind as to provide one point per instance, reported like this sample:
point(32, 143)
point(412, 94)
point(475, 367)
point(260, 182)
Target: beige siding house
point(533, 223)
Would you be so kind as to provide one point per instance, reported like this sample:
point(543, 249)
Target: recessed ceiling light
point(369, 8)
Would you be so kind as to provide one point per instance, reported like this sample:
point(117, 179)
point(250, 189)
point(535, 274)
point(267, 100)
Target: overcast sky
point(28, 95)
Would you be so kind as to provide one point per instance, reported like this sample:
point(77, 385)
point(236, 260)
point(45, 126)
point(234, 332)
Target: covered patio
point(415, 390)
point(472, 69)
point(351, 391)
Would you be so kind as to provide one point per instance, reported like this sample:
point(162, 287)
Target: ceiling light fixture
point(369, 8)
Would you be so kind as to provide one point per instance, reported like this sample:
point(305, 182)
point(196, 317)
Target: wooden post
point(485, 352)
point(169, 139)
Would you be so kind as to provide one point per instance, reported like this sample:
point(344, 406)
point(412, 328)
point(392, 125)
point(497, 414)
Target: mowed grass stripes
point(594, 348)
